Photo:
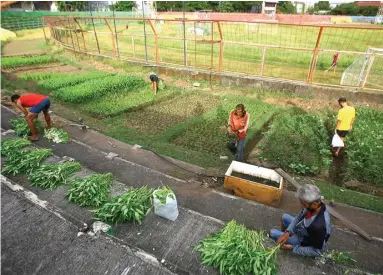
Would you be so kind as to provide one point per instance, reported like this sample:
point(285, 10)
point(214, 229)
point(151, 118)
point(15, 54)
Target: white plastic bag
point(169, 210)
point(337, 141)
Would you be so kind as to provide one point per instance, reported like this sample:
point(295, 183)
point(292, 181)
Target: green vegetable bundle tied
point(53, 175)
point(56, 135)
point(163, 193)
point(21, 127)
point(131, 206)
point(91, 191)
point(26, 161)
point(12, 146)
point(237, 250)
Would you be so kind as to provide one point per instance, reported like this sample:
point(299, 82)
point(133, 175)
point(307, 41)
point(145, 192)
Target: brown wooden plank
point(287, 177)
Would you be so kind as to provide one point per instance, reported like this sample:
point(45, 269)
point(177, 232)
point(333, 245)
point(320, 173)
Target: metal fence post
point(134, 47)
point(315, 56)
point(113, 38)
point(155, 40)
point(143, 18)
point(220, 61)
point(263, 60)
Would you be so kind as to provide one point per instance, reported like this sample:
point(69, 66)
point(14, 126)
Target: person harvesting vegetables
point(36, 103)
point(346, 118)
point(154, 79)
point(237, 125)
point(307, 233)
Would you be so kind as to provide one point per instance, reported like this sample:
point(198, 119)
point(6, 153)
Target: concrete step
point(195, 202)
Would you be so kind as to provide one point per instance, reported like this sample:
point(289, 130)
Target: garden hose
point(183, 168)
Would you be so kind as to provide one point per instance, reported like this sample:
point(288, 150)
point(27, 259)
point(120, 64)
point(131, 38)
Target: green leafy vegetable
point(69, 80)
point(131, 206)
point(56, 135)
point(53, 175)
point(91, 191)
point(39, 76)
point(21, 127)
point(11, 146)
point(163, 193)
point(237, 250)
point(26, 61)
point(25, 161)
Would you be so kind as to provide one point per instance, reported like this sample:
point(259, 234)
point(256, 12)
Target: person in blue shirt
point(307, 233)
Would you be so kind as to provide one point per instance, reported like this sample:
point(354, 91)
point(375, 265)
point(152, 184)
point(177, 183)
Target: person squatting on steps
point(307, 233)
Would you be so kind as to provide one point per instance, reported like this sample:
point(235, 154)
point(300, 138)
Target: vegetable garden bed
point(17, 63)
point(165, 114)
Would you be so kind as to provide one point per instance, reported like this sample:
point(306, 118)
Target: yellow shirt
point(346, 115)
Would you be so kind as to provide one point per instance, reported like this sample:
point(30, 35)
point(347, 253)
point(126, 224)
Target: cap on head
point(14, 97)
point(309, 193)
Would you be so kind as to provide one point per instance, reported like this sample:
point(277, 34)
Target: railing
point(302, 53)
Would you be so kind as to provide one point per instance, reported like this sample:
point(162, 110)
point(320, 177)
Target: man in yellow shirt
point(346, 118)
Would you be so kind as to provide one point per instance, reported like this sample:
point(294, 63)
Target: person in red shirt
point(334, 63)
point(237, 125)
point(36, 103)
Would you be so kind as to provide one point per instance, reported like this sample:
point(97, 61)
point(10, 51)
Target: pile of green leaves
point(7, 62)
point(67, 80)
point(56, 135)
point(21, 128)
point(25, 161)
point(364, 146)
point(12, 146)
point(50, 176)
point(237, 250)
point(39, 76)
point(298, 142)
point(163, 193)
point(98, 87)
point(344, 258)
point(131, 206)
point(91, 191)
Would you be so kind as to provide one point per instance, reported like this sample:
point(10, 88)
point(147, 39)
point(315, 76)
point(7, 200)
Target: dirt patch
point(101, 66)
point(161, 116)
point(305, 104)
point(19, 47)
point(53, 69)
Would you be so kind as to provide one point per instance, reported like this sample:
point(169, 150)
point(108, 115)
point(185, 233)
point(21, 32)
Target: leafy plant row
point(7, 62)
point(21, 128)
point(55, 83)
point(98, 87)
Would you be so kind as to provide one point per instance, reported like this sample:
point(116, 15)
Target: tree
point(123, 6)
point(353, 9)
point(72, 5)
point(286, 7)
point(224, 6)
point(322, 6)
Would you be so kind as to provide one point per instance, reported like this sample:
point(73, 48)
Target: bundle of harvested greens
point(131, 206)
point(237, 250)
point(56, 135)
point(162, 194)
point(12, 146)
point(21, 127)
point(25, 161)
point(91, 191)
point(53, 175)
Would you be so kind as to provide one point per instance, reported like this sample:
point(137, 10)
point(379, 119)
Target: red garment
point(239, 124)
point(335, 59)
point(30, 100)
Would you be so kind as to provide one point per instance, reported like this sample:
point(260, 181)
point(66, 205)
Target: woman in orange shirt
point(237, 125)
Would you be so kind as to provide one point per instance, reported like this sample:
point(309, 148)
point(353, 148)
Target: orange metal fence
point(327, 55)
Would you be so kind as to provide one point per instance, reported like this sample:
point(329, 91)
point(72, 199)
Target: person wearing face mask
point(307, 233)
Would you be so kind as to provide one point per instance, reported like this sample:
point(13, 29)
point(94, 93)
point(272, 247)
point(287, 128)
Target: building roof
point(368, 3)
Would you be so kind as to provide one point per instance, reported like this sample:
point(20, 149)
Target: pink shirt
point(239, 124)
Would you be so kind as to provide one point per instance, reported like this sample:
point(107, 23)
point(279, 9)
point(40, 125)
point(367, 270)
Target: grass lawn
point(350, 197)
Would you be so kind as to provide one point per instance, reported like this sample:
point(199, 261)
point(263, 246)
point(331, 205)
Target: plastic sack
point(337, 141)
point(169, 210)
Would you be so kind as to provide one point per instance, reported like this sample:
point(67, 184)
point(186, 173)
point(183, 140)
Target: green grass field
point(279, 62)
